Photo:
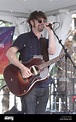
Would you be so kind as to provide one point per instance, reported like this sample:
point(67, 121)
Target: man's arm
point(11, 55)
point(52, 42)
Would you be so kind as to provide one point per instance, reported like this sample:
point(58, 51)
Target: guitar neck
point(46, 64)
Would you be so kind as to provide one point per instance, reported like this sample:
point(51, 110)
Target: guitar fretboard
point(46, 64)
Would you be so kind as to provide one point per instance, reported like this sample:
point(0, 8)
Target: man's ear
point(32, 22)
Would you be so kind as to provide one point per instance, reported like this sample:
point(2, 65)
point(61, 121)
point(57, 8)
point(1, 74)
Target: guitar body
point(39, 68)
point(19, 86)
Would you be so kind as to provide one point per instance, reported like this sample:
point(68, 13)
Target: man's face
point(39, 24)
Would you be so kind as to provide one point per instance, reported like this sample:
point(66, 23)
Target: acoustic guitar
point(20, 86)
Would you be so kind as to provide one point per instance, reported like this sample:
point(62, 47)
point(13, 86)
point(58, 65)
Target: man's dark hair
point(36, 15)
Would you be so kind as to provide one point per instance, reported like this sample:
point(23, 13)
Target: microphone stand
point(66, 56)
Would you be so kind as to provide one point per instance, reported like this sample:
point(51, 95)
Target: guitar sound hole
point(34, 69)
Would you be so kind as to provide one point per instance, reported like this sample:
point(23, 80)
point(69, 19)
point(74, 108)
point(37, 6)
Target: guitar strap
point(44, 50)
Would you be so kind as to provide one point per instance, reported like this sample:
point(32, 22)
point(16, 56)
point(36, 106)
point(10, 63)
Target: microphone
point(50, 25)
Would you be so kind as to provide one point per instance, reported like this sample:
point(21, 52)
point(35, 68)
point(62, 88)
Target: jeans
point(35, 101)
